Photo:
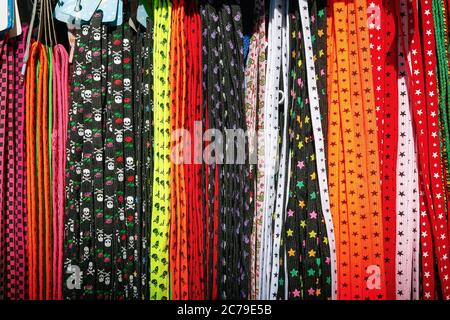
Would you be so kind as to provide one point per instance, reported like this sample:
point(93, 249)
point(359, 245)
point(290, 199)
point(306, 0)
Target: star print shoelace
point(46, 108)
point(227, 173)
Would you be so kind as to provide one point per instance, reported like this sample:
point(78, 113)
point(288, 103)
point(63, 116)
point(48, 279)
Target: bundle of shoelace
point(46, 102)
point(33, 137)
point(226, 149)
point(13, 199)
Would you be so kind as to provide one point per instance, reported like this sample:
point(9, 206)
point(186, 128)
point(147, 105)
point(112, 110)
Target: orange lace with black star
point(354, 174)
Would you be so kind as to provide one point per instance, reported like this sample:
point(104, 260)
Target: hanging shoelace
point(228, 173)
point(407, 206)
point(91, 171)
point(318, 20)
point(130, 218)
point(59, 137)
point(388, 119)
point(282, 174)
point(308, 272)
point(440, 17)
point(211, 119)
point(148, 157)
point(13, 231)
point(353, 155)
point(159, 239)
point(38, 172)
point(186, 204)
point(255, 78)
point(102, 181)
point(3, 107)
point(178, 210)
point(73, 169)
point(325, 172)
point(277, 26)
point(434, 236)
point(319, 143)
point(194, 166)
point(20, 232)
point(383, 38)
point(377, 52)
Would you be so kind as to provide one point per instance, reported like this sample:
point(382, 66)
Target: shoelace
point(235, 192)
point(282, 176)
point(212, 120)
point(440, 18)
point(73, 166)
point(31, 169)
point(307, 272)
point(41, 247)
point(2, 145)
point(315, 109)
point(433, 220)
point(186, 206)
point(292, 276)
point(91, 170)
point(356, 211)
point(277, 23)
point(178, 219)
point(103, 224)
point(159, 242)
point(378, 54)
point(388, 148)
point(59, 135)
point(228, 182)
point(131, 217)
point(147, 153)
point(255, 78)
point(12, 171)
point(38, 158)
point(194, 188)
point(382, 26)
point(20, 232)
point(442, 73)
point(408, 233)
